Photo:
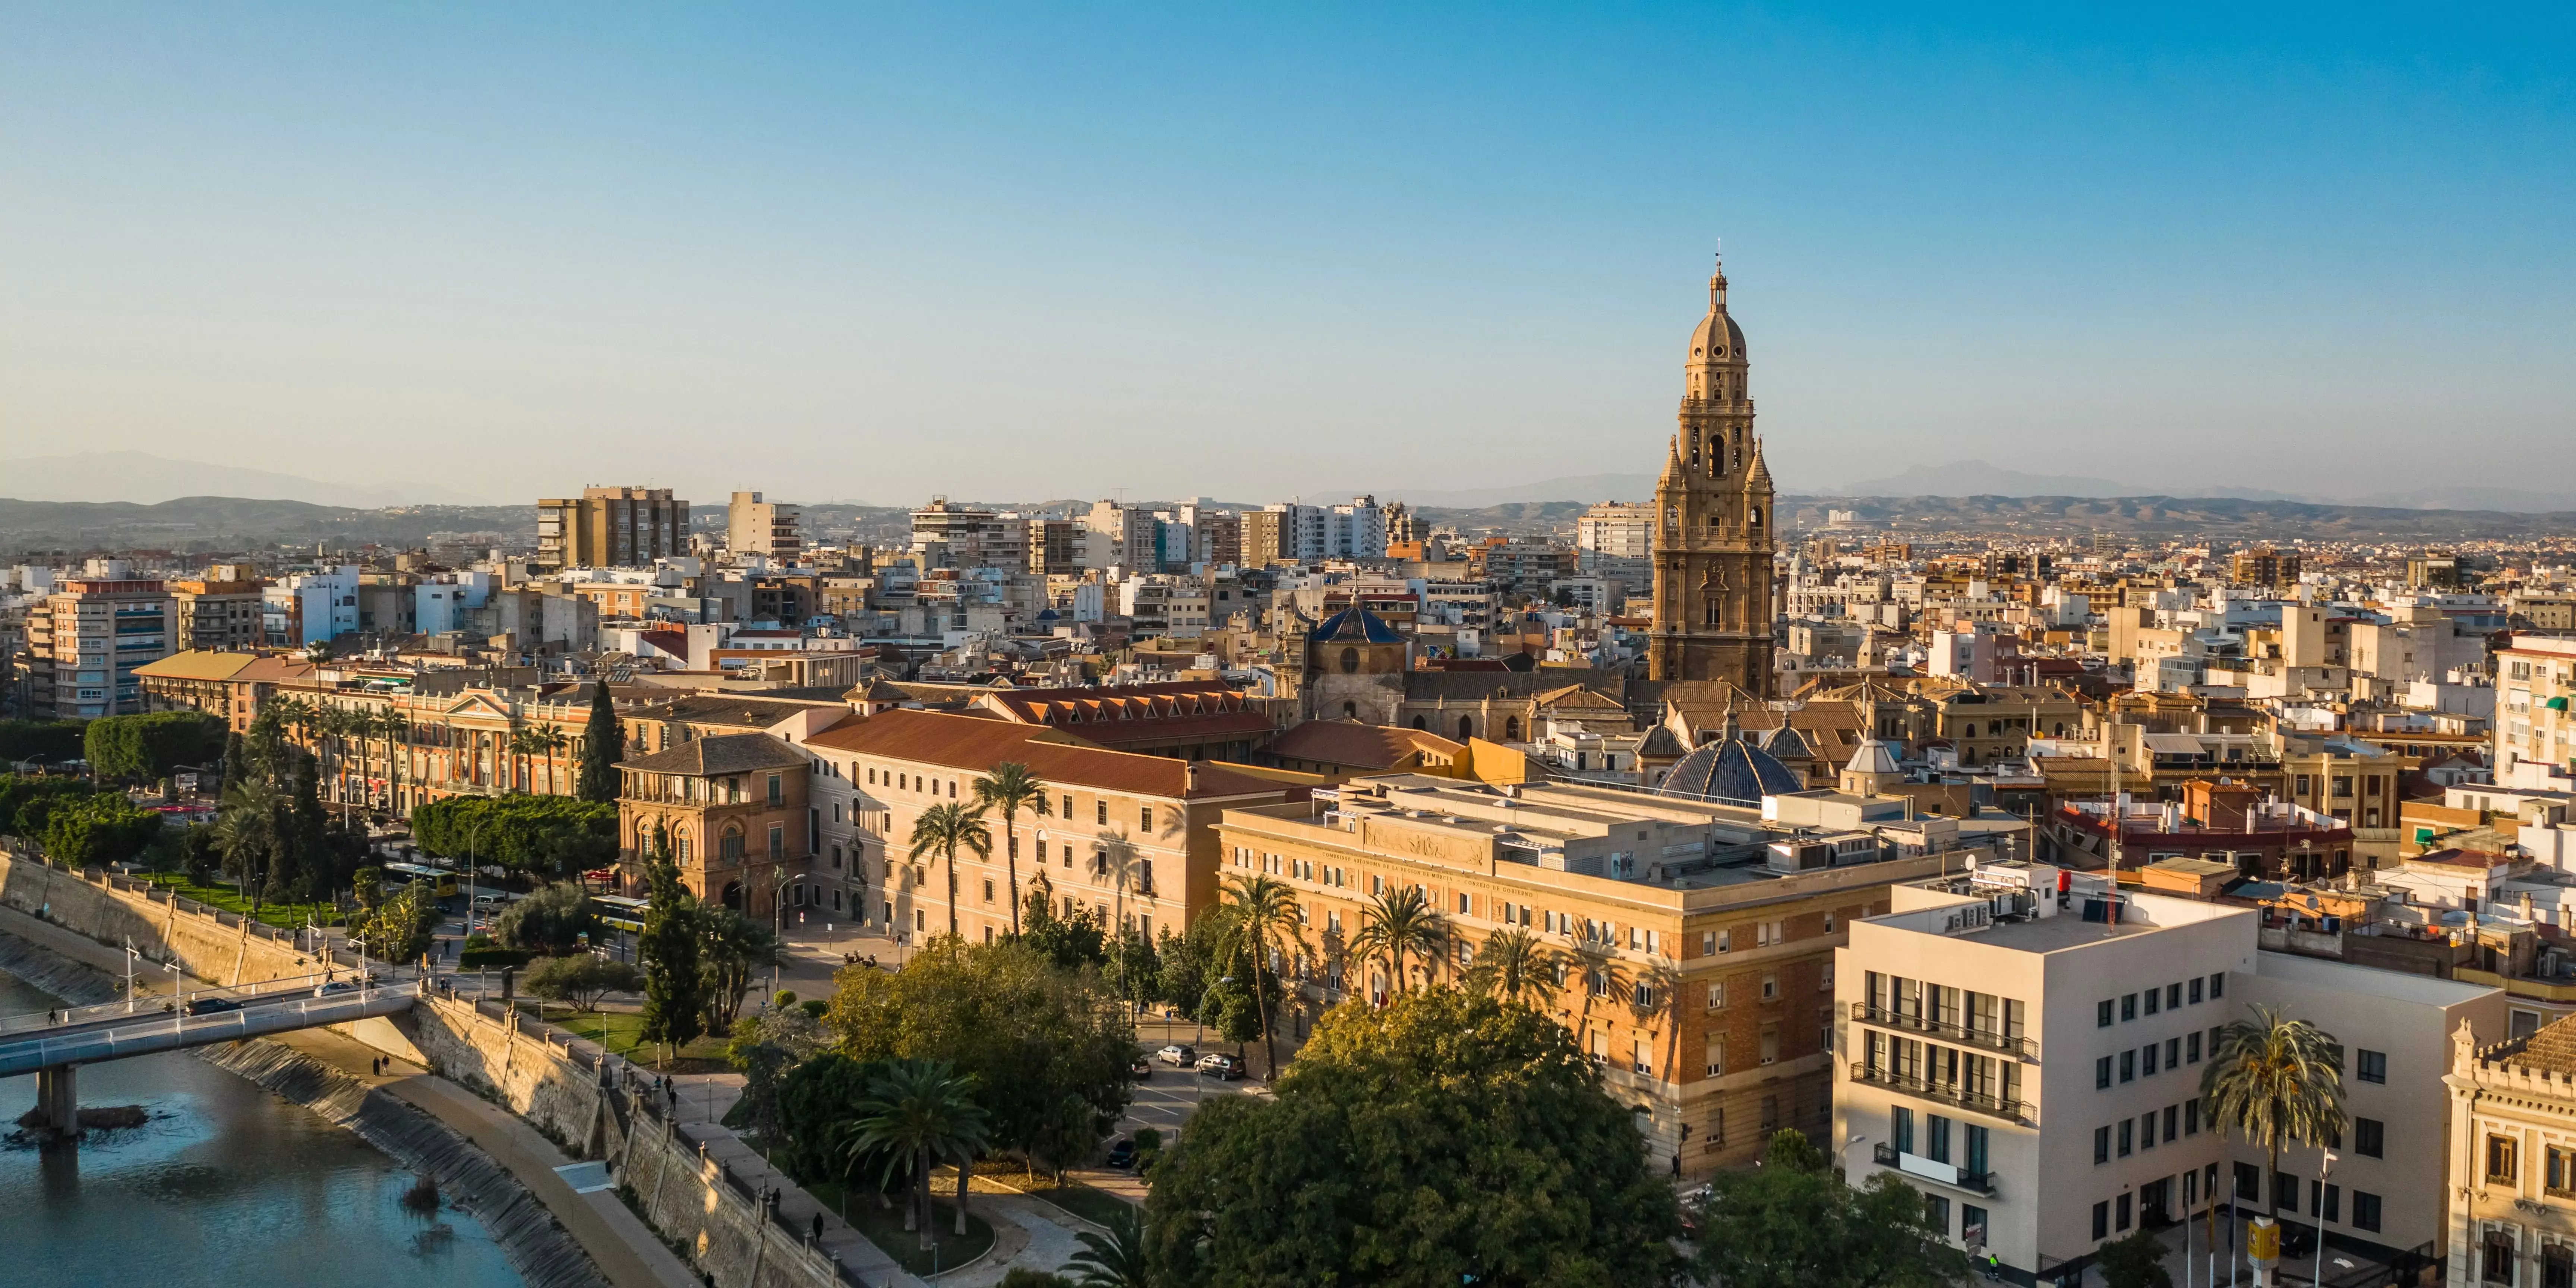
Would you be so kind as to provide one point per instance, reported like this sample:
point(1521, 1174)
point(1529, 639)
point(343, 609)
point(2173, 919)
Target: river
point(226, 1187)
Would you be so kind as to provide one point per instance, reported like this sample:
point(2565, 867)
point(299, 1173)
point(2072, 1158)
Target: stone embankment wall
point(688, 1199)
point(206, 942)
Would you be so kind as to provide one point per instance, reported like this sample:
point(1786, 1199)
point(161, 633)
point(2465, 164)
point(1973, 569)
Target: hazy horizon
point(1041, 252)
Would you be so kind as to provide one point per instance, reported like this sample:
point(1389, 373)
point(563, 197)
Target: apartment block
point(219, 612)
point(2027, 1051)
point(97, 629)
point(611, 527)
point(754, 526)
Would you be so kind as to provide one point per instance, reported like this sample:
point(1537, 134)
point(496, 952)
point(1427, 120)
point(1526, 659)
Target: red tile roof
point(977, 744)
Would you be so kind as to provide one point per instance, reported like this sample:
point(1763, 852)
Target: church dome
point(1356, 626)
point(1717, 339)
point(1730, 771)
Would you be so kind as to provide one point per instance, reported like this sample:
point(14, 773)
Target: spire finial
point(1717, 280)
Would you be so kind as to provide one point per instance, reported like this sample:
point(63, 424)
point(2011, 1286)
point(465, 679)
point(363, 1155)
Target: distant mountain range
point(141, 478)
point(1978, 478)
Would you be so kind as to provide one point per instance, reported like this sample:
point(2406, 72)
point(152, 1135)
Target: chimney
point(1189, 776)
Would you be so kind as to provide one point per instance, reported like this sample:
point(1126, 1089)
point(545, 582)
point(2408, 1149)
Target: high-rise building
point(1055, 546)
point(1262, 538)
point(2264, 566)
point(766, 528)
point(1616, 539)
point(220, 611)
point(96, 629)
point(957, 536)
point(1124, 535)
point(611, 527)
point(1713, 543)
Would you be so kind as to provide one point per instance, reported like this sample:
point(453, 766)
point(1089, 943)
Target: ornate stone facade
point(1713, 542)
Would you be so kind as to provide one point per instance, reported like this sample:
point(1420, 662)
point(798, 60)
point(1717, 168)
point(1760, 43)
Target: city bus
point(442, 883)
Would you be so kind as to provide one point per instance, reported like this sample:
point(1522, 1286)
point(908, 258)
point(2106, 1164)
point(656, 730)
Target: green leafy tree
point(554, 836)
point(1446, 1135)
point(815, 1097)
point(943, 830)
point(39, 741)
point(1792, 1223)
point(732, 949)
point(403, 926)
point(674, 978)
point(1133, 969)
point(603, 744)
point(1514, 965)
point(1400, 921)
point(926, 1110)
point(2137, 1261)
point(551, 920)
point(1032, 1032)
point(1186, 963)
point(152, 746)
point(98, 830)
point(764, 1048)
point(1010, 788)
point(2275, 1080)
point(1071, 940)
point(580, 979)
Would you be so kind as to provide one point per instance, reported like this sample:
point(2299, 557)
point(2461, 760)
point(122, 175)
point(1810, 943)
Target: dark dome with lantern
point(1730, 771)
point(1356, 626)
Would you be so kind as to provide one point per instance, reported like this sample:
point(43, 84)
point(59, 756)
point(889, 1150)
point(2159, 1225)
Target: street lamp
point(2323, 1168)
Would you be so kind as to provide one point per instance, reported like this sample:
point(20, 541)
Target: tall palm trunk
point(1261, 1005)
point(951, 848)
point(965, 1170)
point(1011, 857)
point(929, 1236)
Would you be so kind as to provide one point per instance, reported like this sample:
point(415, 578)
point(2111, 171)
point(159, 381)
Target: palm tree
point(526, 744)
point(1398, 921)
point(249, 832)
point(1514, 963)
point(1113, 1260)
point(941, 829)
point(1118, 862)
point(918, 1111)
point(1265, 916)
point(550, 742)
point(2276, 1080)
point(1009, 789)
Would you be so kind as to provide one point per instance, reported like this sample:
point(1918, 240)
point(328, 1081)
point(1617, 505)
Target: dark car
point(1220, 1066)
point(211, 1005)
point(2297, 1241)
point(1142, 1067)
point(1123, 1155)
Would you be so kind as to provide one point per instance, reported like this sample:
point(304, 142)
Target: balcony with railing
point(1948, 1093)
point(1886, 1155)
point(2025, 1048)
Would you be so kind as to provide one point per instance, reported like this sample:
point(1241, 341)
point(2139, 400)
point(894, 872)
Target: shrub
point(552, 920)
point(152, 746)
point(580, 979)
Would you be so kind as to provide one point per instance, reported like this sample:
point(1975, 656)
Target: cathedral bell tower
point(1713, 540)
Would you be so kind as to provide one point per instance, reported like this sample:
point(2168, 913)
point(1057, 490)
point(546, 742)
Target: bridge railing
point(65, 1017)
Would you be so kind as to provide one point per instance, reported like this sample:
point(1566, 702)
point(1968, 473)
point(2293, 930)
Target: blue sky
point(992, 251)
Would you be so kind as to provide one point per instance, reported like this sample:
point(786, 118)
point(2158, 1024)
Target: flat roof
point(2396, 986)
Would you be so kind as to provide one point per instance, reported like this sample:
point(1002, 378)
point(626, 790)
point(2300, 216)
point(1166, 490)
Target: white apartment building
point(2535, 737)
point(311, 607)
point(2031, 1061)
point(1315, 533)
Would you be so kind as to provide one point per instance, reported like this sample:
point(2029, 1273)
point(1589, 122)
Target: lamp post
point(2325, 1166)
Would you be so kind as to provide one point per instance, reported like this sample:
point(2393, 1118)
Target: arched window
point(1422, 724)
point(1511, 728)
point(731, 846)
point(1972, 729)
point(1466, 728)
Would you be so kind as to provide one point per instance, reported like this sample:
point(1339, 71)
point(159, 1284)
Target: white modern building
point(2031, 1058)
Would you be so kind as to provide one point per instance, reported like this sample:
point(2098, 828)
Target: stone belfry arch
point(1713, 521)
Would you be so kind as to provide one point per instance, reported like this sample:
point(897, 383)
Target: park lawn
point(284, 916)
point(884, 1227)
point(1094, 1205)
point(622, 1033)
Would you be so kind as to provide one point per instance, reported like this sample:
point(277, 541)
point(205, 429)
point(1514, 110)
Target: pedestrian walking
point(818, 1227)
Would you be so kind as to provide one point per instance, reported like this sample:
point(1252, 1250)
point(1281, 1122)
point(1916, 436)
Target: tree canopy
point(603, 744)
point(1792, 1223)
point(552, 920)
point(548, 835)
point(94, 831)
point(153, 746)
point(1446, 1135)
point(47, 741)
point(1033, 1034)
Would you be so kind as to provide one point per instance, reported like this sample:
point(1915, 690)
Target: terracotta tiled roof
point(727, 753)
point(1136, 714)
point(2551, 1050)
point(197, 664)
point(1360, 746)
point(976, 745)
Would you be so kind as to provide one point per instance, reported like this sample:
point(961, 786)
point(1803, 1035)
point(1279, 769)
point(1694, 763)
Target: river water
point(226, 1187)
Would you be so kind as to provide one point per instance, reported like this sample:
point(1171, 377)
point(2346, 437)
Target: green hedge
point(493, 958)
point(554, 834)
point(151, 747)
point(45, 740)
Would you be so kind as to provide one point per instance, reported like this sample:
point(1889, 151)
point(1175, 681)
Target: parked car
point(1142, 1067)
point(1220, 1066)
point(1123, 1155)
point(1178, 1055)
point(211, 1005)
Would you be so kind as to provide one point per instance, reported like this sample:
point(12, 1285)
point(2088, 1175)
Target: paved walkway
point(618, 1241)
point(798, 1207)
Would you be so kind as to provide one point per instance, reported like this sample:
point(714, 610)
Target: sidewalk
point(798, 1207)
point(618, 1241)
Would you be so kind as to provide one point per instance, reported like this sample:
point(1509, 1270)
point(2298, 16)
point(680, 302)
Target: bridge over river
point(55, 1044)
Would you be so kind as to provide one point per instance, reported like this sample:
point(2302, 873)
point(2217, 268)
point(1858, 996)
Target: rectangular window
point(777, 840)
point(2365, 1211)
point(1900, 1129)
point(1708, 948)
point(2173, 997)
point(2101, 1221)
point(1145, 819)
point(2128, 1007)
point(2561, 1176)
point(2173, 1118)
point(1936, 1138)
point(2122, 1219)
point(1937, 1209)
point(2374, 1066)
point(2191, 1117)
point(2370, 1138)
point(2152, 999)
point(1977, 1144)
point(2218, 986)
point(2102, 1014)
point(1101, 809)
point(2249, 1183)
point(2102, 1144)
point(1716, 996)
point(2500, 1160)
point(2195, 992)
point(2147, 1130)
point(2128, 1066)
point(2173, 1053)
point(2128, 1136)
point(1972, 1223)
point(777, 790)
point(1716, 1055)
point(2102, 1074)
point(2147, 1060)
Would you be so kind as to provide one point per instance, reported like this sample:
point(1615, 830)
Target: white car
point(1176, 1055)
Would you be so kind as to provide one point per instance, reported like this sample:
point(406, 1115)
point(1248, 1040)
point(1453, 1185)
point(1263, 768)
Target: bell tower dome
point(1713, 543)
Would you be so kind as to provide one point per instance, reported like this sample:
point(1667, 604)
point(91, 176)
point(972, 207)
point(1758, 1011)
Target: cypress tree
point(603, 744)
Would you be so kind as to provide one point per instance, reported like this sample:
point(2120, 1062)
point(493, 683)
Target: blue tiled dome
point(1357, 625)
point(1730, 771)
